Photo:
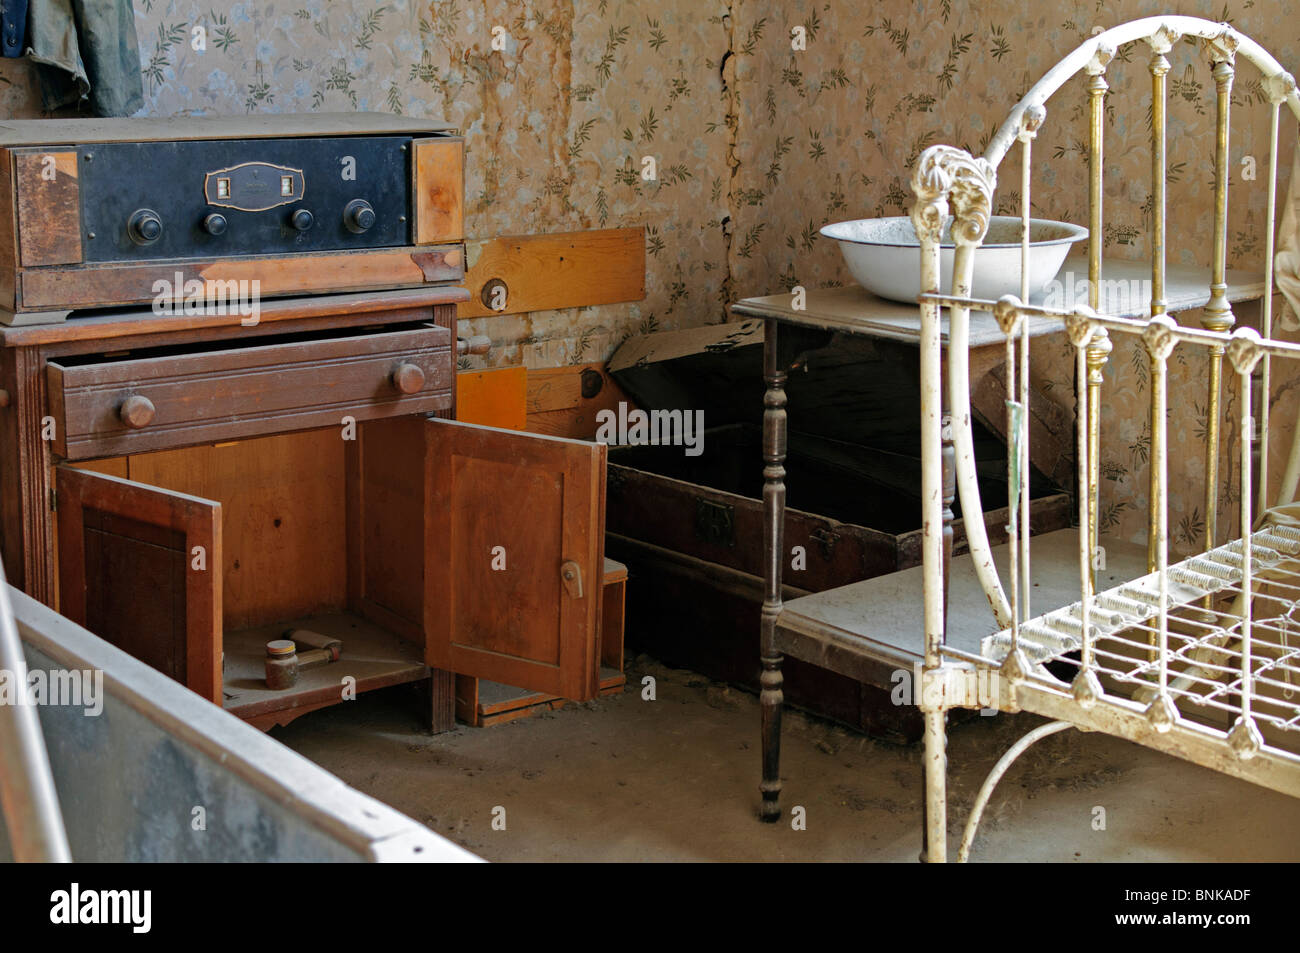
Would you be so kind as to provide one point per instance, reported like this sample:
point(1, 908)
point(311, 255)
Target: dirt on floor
point(676, 778)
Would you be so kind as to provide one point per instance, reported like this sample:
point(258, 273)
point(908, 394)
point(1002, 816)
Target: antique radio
point(100, 213)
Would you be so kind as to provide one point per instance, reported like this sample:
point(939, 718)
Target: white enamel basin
point(884, 255)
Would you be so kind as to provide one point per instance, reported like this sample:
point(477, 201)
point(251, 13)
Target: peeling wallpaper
point(555, 122)
point(757, 145)
point(831, 133)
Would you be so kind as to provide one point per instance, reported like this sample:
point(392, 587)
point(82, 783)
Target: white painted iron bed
point(1198, 657)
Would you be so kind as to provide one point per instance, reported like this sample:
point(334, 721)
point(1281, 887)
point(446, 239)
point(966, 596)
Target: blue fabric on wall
point(13, 27)
point(87, 53)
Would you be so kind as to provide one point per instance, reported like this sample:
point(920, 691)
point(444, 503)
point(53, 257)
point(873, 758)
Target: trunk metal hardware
point(715, 523)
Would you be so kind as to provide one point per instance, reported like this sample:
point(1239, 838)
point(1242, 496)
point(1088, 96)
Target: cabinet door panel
point(129, 571)
point(514, 556)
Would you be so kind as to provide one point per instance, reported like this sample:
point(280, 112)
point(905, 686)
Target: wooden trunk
point(690, 528)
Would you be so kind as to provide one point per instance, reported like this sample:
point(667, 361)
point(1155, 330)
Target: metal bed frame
point(1199, 657)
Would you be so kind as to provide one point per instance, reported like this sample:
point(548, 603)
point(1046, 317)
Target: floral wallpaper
point(765, 120)
point(560, 103)
point(831, 131)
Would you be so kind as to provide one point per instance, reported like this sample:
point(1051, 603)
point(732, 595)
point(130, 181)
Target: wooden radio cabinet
point(96, 212)
point(189, 488)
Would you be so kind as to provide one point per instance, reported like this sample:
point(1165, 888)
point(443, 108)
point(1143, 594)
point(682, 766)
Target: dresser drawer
point(104, 406)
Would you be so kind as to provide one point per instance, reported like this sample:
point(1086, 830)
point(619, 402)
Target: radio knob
point(358, 216)
point(144, 226)
point(215, 224)
point(302, 220)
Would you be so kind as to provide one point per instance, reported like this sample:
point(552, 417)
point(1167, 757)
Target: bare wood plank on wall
point(49, 208)
point(564, 401)
point(494, 398)
point(550, 272)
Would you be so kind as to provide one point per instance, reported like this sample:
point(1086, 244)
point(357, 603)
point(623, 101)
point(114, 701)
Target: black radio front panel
point(144, 201)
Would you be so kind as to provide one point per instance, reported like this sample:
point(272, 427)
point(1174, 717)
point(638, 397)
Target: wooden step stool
point(480, 702)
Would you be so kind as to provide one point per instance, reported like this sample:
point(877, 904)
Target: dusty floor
point(676, 779)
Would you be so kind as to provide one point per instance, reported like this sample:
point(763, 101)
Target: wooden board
point(8, 232)
point(482, 703)
point(541, 500)
point(49, 208)
point(127, 573)
point(372, 656)
point(244, 391)
point(564, 401)
point(386, 534)
point(1051, 426)
point(113, 284)
point(38, 132)
point(612, 610)
point(113, 466)
point(495, 398)
point(564, 270)
point(284, 547)
point(366, 307)
point(438, 169)
point(664, 347)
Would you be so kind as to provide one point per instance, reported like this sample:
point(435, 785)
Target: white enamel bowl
point(884, 255)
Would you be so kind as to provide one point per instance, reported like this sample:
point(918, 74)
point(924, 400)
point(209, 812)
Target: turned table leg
point(771, 697)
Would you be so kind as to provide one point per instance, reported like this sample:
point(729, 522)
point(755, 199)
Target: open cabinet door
point(515, 527)
point(141, 568)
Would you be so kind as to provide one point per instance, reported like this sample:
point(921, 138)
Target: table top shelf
point(854, 310)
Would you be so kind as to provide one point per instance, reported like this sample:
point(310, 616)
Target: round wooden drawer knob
point(136, 411)
point(408, 378)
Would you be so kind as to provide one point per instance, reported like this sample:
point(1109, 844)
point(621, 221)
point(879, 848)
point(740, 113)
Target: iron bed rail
point(1155, 660)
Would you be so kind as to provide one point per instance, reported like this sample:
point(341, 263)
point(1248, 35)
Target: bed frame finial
point(1163, 40)
point(1101, 58)
point(1222, 48)
point(1245, 739)
point(946, 175)
point(1031, 120)
point(1279, 87)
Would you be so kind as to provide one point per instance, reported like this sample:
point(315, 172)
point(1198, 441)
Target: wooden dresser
point(187, 486)
point(190, 486)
